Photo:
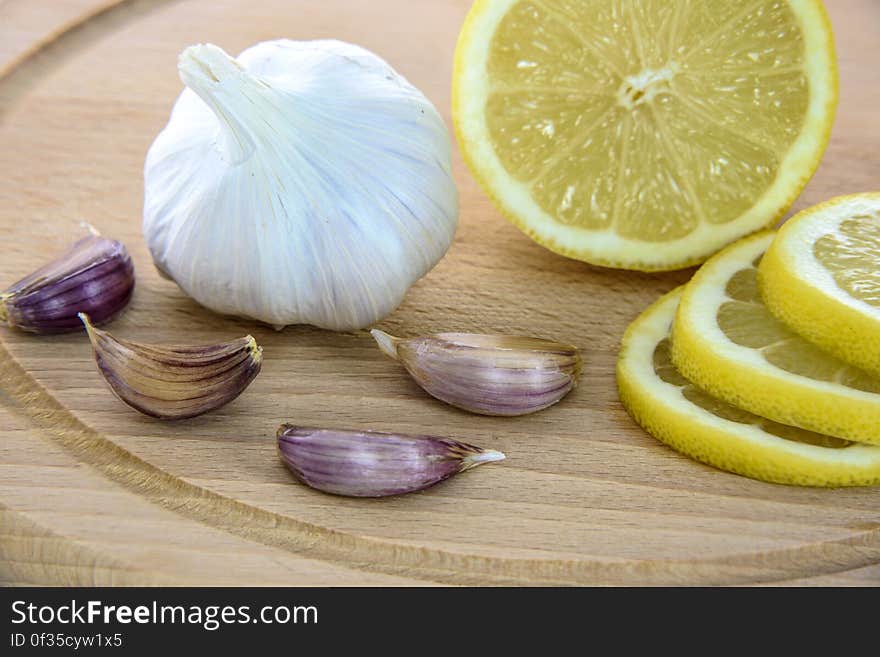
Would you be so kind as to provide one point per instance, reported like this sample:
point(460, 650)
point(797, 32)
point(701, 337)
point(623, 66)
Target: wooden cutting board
point(94, 493)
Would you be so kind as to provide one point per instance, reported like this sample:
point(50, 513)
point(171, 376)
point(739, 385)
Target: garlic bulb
point(301, 183)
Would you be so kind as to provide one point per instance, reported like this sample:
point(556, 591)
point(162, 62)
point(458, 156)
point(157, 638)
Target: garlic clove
point(372, 463)
point(487, 374)
point(95, 276)
point(175, 382)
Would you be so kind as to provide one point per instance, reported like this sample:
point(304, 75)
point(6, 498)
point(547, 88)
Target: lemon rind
point(607, 248)
point(663, 411)
point(742, 377)
point(801, 292)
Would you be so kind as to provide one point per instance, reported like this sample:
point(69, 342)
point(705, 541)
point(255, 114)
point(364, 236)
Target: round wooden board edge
point(56, 423)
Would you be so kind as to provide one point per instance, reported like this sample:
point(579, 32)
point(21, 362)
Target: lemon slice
point(728, 343)
point(821, 276)
point(643, 135)
point(707, 429)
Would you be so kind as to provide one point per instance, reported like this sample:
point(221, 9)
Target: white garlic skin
point(300, 183)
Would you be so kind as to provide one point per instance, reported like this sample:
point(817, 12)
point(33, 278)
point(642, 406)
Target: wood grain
point(91, 492)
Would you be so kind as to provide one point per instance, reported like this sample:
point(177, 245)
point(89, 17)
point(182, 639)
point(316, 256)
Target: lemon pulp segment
point(643, 134)
point(852, 256)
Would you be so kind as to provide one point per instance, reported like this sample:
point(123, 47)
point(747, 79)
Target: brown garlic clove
point(487, 374)
point(175, 382)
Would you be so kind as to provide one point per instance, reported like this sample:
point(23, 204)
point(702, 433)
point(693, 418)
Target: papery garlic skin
point(300, 183)
point(487, 374)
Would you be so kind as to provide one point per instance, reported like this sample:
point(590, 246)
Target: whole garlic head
point(301, 183)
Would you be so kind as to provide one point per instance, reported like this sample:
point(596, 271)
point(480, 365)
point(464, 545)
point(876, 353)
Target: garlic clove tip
point(487, 456)
point(255, 350)
point(387, 343)
point(90, 328)
point(94, 231)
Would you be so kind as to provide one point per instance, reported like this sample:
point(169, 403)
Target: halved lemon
point(821, 276)
point(678, 413)
point(644, 134)
point(728, 343)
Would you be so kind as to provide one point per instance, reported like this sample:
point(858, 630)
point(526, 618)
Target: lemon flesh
point(645, 134)
point(678, 413)
point(821, 276)
point(727, 342)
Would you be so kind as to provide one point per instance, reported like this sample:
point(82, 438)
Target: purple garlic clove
point(487, 374)
point(371, 463)
point(94, 276)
